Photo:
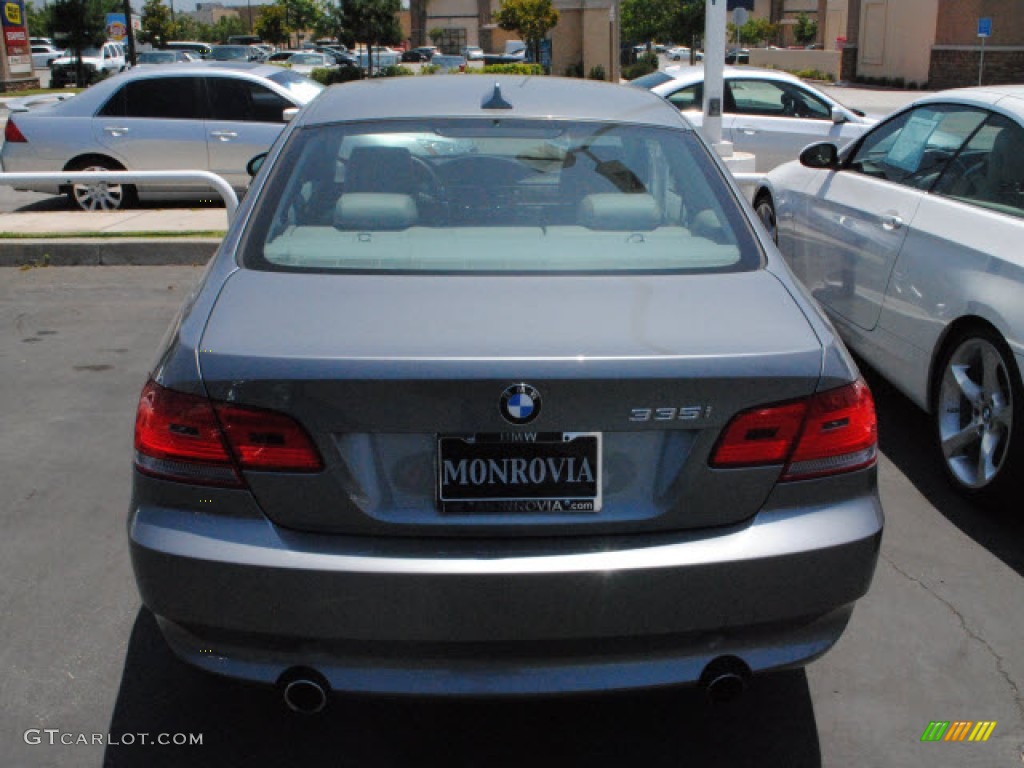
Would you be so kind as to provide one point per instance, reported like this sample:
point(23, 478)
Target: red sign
point(15, 34)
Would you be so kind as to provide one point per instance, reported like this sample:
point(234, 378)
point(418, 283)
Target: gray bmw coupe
point(496, 386)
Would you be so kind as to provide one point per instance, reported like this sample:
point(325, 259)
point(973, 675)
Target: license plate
point(521, 472)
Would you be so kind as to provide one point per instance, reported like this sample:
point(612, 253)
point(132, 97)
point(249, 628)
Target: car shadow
point(772, 724)
point(905, 437)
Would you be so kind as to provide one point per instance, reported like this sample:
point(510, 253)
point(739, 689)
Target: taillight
point(12, 134)
point(825, 434)
point(192, 439)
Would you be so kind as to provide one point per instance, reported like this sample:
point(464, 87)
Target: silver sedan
point(910, 239)
point(541, 412)
point(197, 116)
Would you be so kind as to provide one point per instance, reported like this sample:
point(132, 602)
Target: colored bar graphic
point(935, 731)
point(958, 730)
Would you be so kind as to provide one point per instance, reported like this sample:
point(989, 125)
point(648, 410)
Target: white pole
point(714, 65)
point(981, 64)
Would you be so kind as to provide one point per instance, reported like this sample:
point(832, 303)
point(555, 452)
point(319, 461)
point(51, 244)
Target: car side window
point(689, 98)
point(169, 98)
point(914, 148)
point(989, 170)
point(245, 101)
point(768, 98)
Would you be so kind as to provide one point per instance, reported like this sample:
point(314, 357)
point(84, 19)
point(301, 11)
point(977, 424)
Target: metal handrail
point(218, 183)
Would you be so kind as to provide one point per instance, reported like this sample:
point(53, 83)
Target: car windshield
point(497, 195)
point(155, 57)
point(301, 87)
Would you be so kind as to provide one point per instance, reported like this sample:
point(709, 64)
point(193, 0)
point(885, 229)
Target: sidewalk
point(69, 237)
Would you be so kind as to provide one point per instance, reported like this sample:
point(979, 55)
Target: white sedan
point(305, 63)
point(771, 114)
point(910, 240)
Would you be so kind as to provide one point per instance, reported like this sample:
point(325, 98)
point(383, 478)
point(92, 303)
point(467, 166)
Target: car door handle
point(748, 131)
point(891, 222)
point(116, 130)
point(224, 135)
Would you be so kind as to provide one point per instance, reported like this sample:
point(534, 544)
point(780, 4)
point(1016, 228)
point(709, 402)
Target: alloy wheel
point(975, 413)
point(99, 196)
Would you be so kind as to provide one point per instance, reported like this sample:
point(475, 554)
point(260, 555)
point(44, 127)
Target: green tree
point(374, 22)
point(646, 20)
point(331, 24)
point(271, 26)
point(226, 26)
point(686, 22)
point(300, 15)
point(157, 27)
point(805, 30)
point(40, 20)
point(758, 31)
point(80, 24)
point(532, 19)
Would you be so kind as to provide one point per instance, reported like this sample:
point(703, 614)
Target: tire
point(978, 415)
point(101, 196)
point(764, 206)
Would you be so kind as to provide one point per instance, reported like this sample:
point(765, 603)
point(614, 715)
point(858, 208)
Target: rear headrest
point(626, 212)
point(375, 211)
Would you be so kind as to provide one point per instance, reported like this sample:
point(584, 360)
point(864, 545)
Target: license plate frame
point(484, 473)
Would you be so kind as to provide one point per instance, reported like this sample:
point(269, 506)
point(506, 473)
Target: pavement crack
point(1000, 663)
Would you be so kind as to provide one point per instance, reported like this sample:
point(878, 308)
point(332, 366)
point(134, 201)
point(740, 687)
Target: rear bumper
point(246, 599)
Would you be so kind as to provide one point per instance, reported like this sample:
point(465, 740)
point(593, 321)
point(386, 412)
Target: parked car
point(279, 57)
point(772, 114)
point(203, 50)
point(350, 474)
point(340, 54)
point(234, 53)
point(447, 64)
point(679, 53)
point(44, 55)
point(473, 53)
point(99, 62)
point(423, 53)
point(164, 57)
point(910, 240)
point(737, 56)
point(305, 62)
point(198, 116)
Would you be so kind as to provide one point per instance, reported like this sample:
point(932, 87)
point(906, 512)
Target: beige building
point(935, 42)
point(587, 32)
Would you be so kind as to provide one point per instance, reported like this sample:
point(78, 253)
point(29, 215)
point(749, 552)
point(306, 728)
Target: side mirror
point(254, 165)
point(821, 155)
point(289, 113)
point(838, 116)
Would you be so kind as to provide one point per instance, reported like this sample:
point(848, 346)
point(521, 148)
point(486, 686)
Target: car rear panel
point(657, 373)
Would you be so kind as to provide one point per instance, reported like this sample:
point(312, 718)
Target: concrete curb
point(117, 252)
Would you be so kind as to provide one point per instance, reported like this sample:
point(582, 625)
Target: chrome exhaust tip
point(304, 690)
point(724, 679)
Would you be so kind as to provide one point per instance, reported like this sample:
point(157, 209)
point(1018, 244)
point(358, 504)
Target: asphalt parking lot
point(937, 638)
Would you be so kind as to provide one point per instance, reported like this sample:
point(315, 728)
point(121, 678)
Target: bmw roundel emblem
point(520, 404)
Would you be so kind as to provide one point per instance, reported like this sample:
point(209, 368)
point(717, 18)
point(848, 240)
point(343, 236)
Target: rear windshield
point(301, 87)
point(497, 196)
point(652, 80)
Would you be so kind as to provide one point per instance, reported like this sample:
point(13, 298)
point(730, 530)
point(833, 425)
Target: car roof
point(464, 96)
point(696, 74)
point(1009, 98)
